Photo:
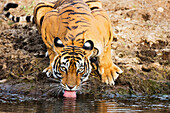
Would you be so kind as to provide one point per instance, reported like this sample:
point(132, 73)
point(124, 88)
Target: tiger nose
point(71, 87)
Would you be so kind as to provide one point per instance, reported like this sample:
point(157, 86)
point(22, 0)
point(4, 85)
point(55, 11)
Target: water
point(14, 103)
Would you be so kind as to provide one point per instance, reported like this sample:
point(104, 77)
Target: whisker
point(84, 82)
point(58, 94)
point(54, 80)
point(55, 90)
point(84, 85)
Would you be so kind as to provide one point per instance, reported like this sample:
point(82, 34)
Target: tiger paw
point(48, 71)
point(109, 73)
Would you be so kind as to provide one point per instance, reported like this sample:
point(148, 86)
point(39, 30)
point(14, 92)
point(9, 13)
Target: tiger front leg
point(109, 71)
point(48, 70)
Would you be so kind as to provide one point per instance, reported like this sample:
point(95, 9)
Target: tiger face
point(72, 65)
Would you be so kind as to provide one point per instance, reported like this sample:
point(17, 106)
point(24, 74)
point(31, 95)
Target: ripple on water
point(119, 103)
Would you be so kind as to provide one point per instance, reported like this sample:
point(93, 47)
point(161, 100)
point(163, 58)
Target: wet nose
point(71, 87)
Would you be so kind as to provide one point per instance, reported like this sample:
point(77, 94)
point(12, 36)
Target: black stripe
point(72, 19)
point(77, 61)
point(68, 27)
point(6, 8)
point(67, 57)
point(77, 58)
point(80, 33)
point(66, 18)
point(81, 21)
point(80, 40)
point(109, 35)
point(97, 51)
point(72, 41)
point(33, 21)
point(42, 7)
point(79, 13)
point(55, 63)
point(41, 20)
point(45, 34)
point(86, 65)
point(71, 36)
point(17, 19)
point(94, 8)
point(65, 22)
point(40, 3)
point(91, 1)
point(82, 8)
point(72, 53)
point(66, 11)
point(10, 5)
point(81, 43)
point(64, 53)
point(81, 54)
point(7, 14)
point(13, 17)
point(67, 60)
point(46, 39)
point(74, 27)
point(65, 39)
point(28, 18)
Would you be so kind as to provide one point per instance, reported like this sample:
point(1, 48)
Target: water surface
point(13, 103)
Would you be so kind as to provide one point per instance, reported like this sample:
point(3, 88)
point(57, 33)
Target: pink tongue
point(71, 94)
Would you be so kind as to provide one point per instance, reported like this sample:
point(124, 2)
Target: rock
point(146, 68)
point(160, 9)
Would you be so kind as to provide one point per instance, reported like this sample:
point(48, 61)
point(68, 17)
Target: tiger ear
point(58, 42)
point(88, 45)
point(58, 45)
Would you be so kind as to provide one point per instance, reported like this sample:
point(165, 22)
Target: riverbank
point(140, 47)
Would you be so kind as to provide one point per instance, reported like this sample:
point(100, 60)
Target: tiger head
point(72, 64)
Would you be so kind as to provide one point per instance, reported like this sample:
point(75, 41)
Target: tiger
point(76, 33)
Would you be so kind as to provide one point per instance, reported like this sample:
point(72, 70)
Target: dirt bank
point(140, 47)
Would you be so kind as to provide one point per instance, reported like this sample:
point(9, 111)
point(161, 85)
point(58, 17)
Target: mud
point(140, 47)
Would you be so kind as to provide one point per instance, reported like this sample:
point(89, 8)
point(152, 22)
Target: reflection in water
point(82, 105)
point(69, 105)
point(63, 105)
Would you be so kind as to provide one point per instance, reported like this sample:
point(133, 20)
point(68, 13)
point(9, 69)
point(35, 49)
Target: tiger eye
point(63, 69)
point(80, 70)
